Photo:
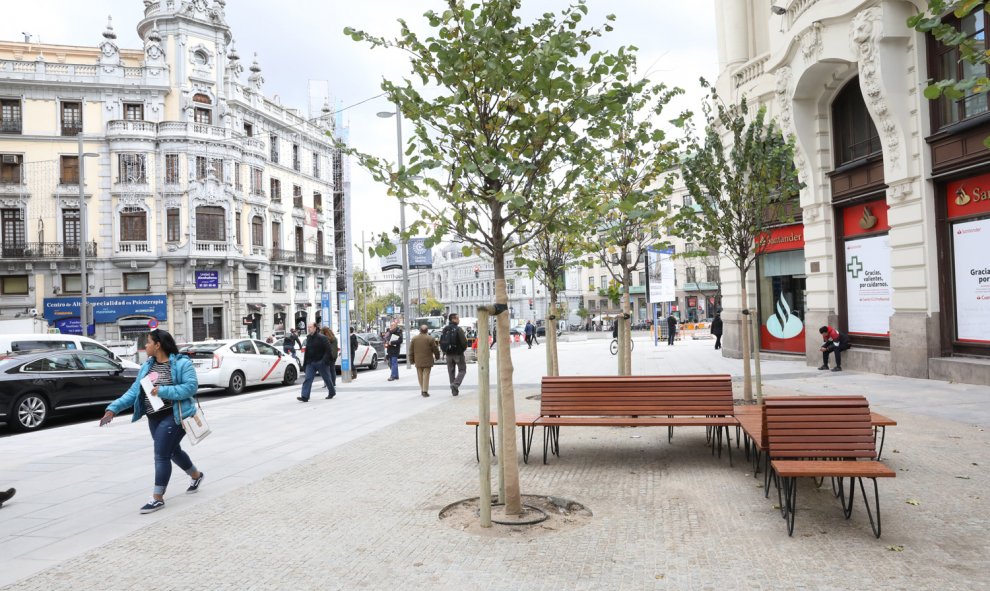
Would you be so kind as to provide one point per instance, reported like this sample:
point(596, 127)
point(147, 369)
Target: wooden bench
point(636, 401)
point(754, 441)
point(823, 437)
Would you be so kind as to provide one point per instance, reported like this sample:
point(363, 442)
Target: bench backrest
point(818, 427)
point(679, 396)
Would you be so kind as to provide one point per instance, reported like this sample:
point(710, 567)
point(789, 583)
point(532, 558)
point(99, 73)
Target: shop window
point(71, 284)
point(945, 64)
point(865, 303)
point(966, 292)
point(137, 282)
point(781, 300)
point(855, 134)
point(14, 285)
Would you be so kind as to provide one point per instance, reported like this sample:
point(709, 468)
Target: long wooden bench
point(636, 401)
point(823, 437)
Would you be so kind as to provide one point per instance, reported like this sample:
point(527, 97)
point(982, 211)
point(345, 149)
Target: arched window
point(855, 135)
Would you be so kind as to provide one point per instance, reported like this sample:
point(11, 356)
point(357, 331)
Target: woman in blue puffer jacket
point(175, 384)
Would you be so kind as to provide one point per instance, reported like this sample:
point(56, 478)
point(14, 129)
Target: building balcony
point(12, 126)
point(44, 251)
point(253, 146)
point(71, 129)
point(179, 130)
point(133, 247)
point(141, 130)
point(211, 247)
point(279, 255)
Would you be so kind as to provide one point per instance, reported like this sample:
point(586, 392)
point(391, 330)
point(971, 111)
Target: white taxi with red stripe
point(365, 356)
point(235, 364)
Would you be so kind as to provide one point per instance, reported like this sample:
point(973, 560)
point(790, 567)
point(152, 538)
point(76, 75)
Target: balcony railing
point(306, 258)
point(10, 126)
point(71, 129)
point(133, 247)
point(210, 246)
point(44, 250)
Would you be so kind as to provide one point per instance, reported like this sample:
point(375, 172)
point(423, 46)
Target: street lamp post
point(83, 238)
point(402, 228)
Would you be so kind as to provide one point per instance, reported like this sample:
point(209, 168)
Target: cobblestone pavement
point(364, 516)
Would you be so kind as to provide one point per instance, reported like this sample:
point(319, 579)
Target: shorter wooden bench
point(823, 437)
point(636, 401)
point(751, 421)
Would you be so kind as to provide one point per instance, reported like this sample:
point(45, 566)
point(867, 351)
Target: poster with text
point(659, 275)
point(868, 291)
point(970, 242)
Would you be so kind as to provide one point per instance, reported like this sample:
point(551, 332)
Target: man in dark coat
point(671, 328)
point(717, 330)
point(393, 345)
point(314, 362)
point(354, 344)
point(455, 353)
point(530, 331)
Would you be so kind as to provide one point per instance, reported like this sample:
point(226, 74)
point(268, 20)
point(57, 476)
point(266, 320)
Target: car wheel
point(290, 376)
point(236, 385)
point(374, 361)
point(30, 412)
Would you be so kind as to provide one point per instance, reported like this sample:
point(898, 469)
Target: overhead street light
point(402, 228)
point(83, 238)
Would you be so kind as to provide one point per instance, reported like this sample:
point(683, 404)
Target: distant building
point(213, 211)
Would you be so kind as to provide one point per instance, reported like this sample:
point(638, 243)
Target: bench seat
point(831, 469)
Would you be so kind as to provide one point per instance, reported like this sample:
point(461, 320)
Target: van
point(14, 343)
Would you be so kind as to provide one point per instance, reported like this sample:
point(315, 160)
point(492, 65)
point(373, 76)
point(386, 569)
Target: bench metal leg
point(477, 438)
point(789, 506)
point(768, 474)
point(847, 503)
point(875, 526)
point(526, 431)
point(728, 443)
point(551, 441)
point(883, 437)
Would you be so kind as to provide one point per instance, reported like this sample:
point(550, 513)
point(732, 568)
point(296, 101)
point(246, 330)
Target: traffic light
point(477, 270)
point(530, 303)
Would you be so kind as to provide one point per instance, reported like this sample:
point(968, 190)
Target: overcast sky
point(301, 40)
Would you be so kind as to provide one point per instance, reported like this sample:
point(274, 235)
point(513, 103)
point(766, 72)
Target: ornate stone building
point(894, 221)
point(212, 210)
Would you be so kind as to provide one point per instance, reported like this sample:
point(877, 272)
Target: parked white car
point(16, 343)
point(235, 364)
point(365, 356)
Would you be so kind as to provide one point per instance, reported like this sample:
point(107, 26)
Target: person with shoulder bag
point(453, 343)
point(330, 360)
point(171, 400)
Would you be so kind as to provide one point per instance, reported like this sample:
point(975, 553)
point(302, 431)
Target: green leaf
point(932, 92)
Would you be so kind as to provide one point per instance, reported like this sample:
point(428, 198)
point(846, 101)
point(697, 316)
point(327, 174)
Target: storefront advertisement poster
point(970, 242)
point(868, 291)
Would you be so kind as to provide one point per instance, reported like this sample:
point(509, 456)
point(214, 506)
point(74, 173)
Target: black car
point(375, 340)
point(34, 385)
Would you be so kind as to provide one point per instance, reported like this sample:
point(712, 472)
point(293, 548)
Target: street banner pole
point(343, 337)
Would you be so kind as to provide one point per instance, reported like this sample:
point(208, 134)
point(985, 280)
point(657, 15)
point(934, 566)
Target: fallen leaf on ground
point(894, 548)
point(914, 502)
point(963, 477)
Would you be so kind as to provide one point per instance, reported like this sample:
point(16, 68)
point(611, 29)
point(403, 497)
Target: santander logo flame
point(784, 325)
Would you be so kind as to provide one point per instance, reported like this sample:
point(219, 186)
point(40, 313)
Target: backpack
point(448, 339)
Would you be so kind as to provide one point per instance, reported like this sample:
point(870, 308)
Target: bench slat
point(819, 468)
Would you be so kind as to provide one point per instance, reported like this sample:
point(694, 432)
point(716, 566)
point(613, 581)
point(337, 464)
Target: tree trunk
point(747, 379)
point(509, 459)
point(625, 334)
point(553, 363)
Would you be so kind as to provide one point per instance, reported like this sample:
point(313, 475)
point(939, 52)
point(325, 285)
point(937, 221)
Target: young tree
point(497, 108)
point(632, 195)
point(429, 304)
point(742, 177)
point(364, 293)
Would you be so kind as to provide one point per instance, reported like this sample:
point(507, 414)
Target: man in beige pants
point(423, 350)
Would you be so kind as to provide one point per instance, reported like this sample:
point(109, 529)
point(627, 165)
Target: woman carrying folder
point(164, 391)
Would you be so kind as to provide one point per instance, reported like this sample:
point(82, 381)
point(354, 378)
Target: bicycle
point(614, 347)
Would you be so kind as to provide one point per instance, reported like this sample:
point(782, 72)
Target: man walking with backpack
point(453, 343)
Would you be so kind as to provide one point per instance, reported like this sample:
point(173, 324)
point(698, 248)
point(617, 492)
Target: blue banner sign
point(108, 309)
point(325, 309)
point(344, 332)
point(72, 326)
point(207, 279)
point(420, 257)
